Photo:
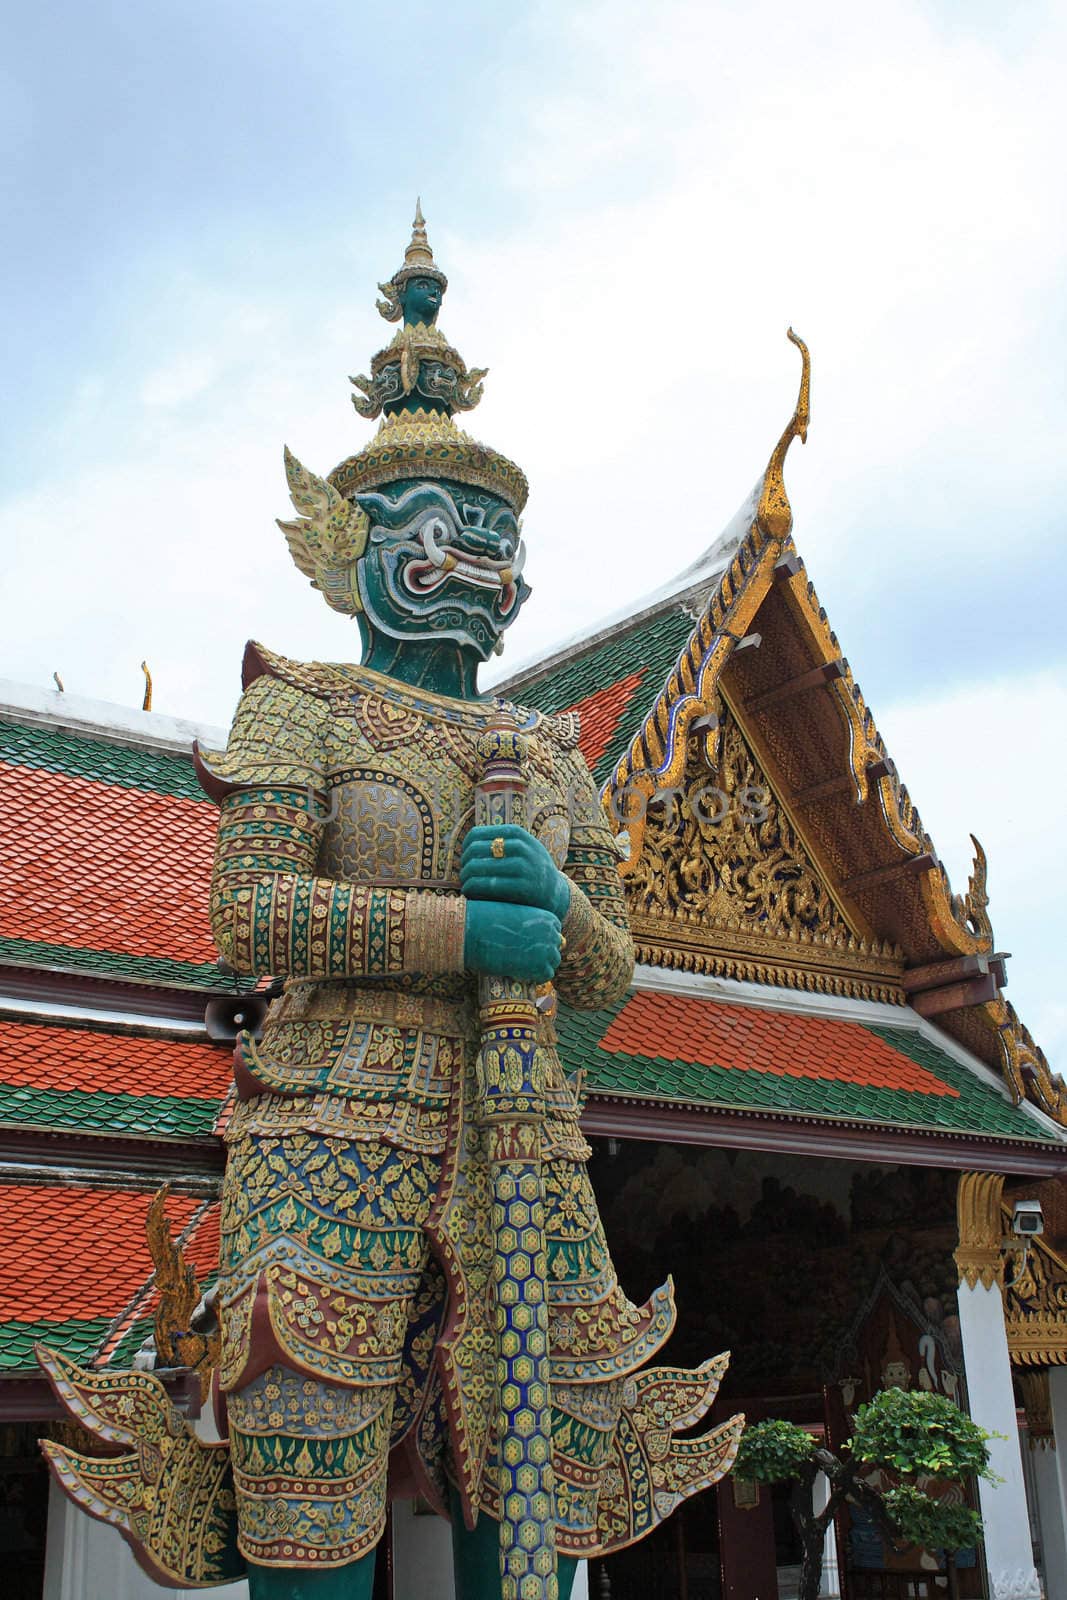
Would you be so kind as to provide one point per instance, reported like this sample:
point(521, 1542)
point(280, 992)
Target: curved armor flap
point(170, 1495)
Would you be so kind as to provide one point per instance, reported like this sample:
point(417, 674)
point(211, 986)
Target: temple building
point(815, 1108)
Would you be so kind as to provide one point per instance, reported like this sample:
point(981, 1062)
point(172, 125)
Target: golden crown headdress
point(416, 383)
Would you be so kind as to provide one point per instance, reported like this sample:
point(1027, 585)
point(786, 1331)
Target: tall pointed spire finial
point(418, 252)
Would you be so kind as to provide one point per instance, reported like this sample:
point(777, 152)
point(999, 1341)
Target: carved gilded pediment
point(724, 882)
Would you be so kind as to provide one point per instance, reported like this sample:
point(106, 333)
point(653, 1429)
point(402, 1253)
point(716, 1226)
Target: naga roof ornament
point(416, 383)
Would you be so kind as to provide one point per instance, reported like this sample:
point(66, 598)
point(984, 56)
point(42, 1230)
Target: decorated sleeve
point(271, 914)
point(598, 958)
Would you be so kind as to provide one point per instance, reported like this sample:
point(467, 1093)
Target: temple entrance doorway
point(827, 1280)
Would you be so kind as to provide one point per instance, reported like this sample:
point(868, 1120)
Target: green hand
point(509, 941)
point(507, 863)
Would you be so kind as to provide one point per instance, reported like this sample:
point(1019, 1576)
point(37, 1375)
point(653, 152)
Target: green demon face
point(421, 300)
point(442, 562)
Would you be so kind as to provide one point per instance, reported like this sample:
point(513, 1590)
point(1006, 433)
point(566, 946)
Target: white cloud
point(660, 190)
point(181, 380)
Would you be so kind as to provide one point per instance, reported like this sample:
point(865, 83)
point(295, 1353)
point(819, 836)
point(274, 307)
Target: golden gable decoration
point(724, 883)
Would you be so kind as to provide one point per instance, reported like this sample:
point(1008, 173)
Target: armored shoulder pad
point(277, 737)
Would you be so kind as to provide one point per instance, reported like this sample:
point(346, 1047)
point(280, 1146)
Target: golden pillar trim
point(979, 1254)
point(1035, 1303)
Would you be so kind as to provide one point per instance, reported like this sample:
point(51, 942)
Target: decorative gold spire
point(775, 515)
point(146, 703)
point(418, 252)
point(177, 1344)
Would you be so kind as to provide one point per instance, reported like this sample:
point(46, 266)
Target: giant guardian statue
point(415, 1291)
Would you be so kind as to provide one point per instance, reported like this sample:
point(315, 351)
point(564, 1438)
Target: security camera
point(1028, 1219)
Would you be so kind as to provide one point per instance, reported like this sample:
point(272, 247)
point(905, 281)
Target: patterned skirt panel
point(334, 1308)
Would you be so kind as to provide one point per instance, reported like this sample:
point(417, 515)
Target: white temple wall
point(1047, 1480)
point(830, 1583)
point(422, 1558)
point(422, 1555)
point(87, 1560)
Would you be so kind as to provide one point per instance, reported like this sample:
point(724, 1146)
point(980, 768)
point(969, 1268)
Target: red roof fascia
point(833, 1138)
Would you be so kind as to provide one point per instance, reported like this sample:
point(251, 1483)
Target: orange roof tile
point(202, 1246)
point(751, 1039)
point(75, 1251)
point(102, 867)
point(600, 714)
point(60, 1058)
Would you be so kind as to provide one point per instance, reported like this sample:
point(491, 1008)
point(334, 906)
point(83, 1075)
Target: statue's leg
point(353, 1582)
point(476, 1559)
point(309, 1441)
point(309, 1466)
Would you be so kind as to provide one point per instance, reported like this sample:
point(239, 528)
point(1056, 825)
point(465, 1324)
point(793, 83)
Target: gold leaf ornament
point(409, 363)
point(329, 538)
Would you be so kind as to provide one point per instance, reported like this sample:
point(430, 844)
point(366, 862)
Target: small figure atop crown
point(416, 289)
point(418, 370)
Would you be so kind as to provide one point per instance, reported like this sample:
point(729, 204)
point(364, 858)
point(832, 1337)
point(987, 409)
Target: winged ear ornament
point(329, 537)
point(390, 307)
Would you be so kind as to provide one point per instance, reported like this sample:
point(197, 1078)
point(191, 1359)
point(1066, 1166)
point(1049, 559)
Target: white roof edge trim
point(99, 719)
point(766, 997)
point(199, 1186)
point(712, 564)
point(129, 1021)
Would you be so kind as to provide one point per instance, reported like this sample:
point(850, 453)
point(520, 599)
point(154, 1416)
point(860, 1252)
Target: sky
point(632, 203)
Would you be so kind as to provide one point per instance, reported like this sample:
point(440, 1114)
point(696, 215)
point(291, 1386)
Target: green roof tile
point(132, 1340)
point(99, 759)
point(114, 964)
point(654, 644)
point(77, 1338)
point(977, 1108)
point(167, 1116)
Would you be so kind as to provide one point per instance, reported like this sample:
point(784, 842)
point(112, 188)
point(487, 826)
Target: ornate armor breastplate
point(401, 789)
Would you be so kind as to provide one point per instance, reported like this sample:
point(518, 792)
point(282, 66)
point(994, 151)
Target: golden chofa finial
point(146, 703)
point(418, 263)
point(774, 514)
